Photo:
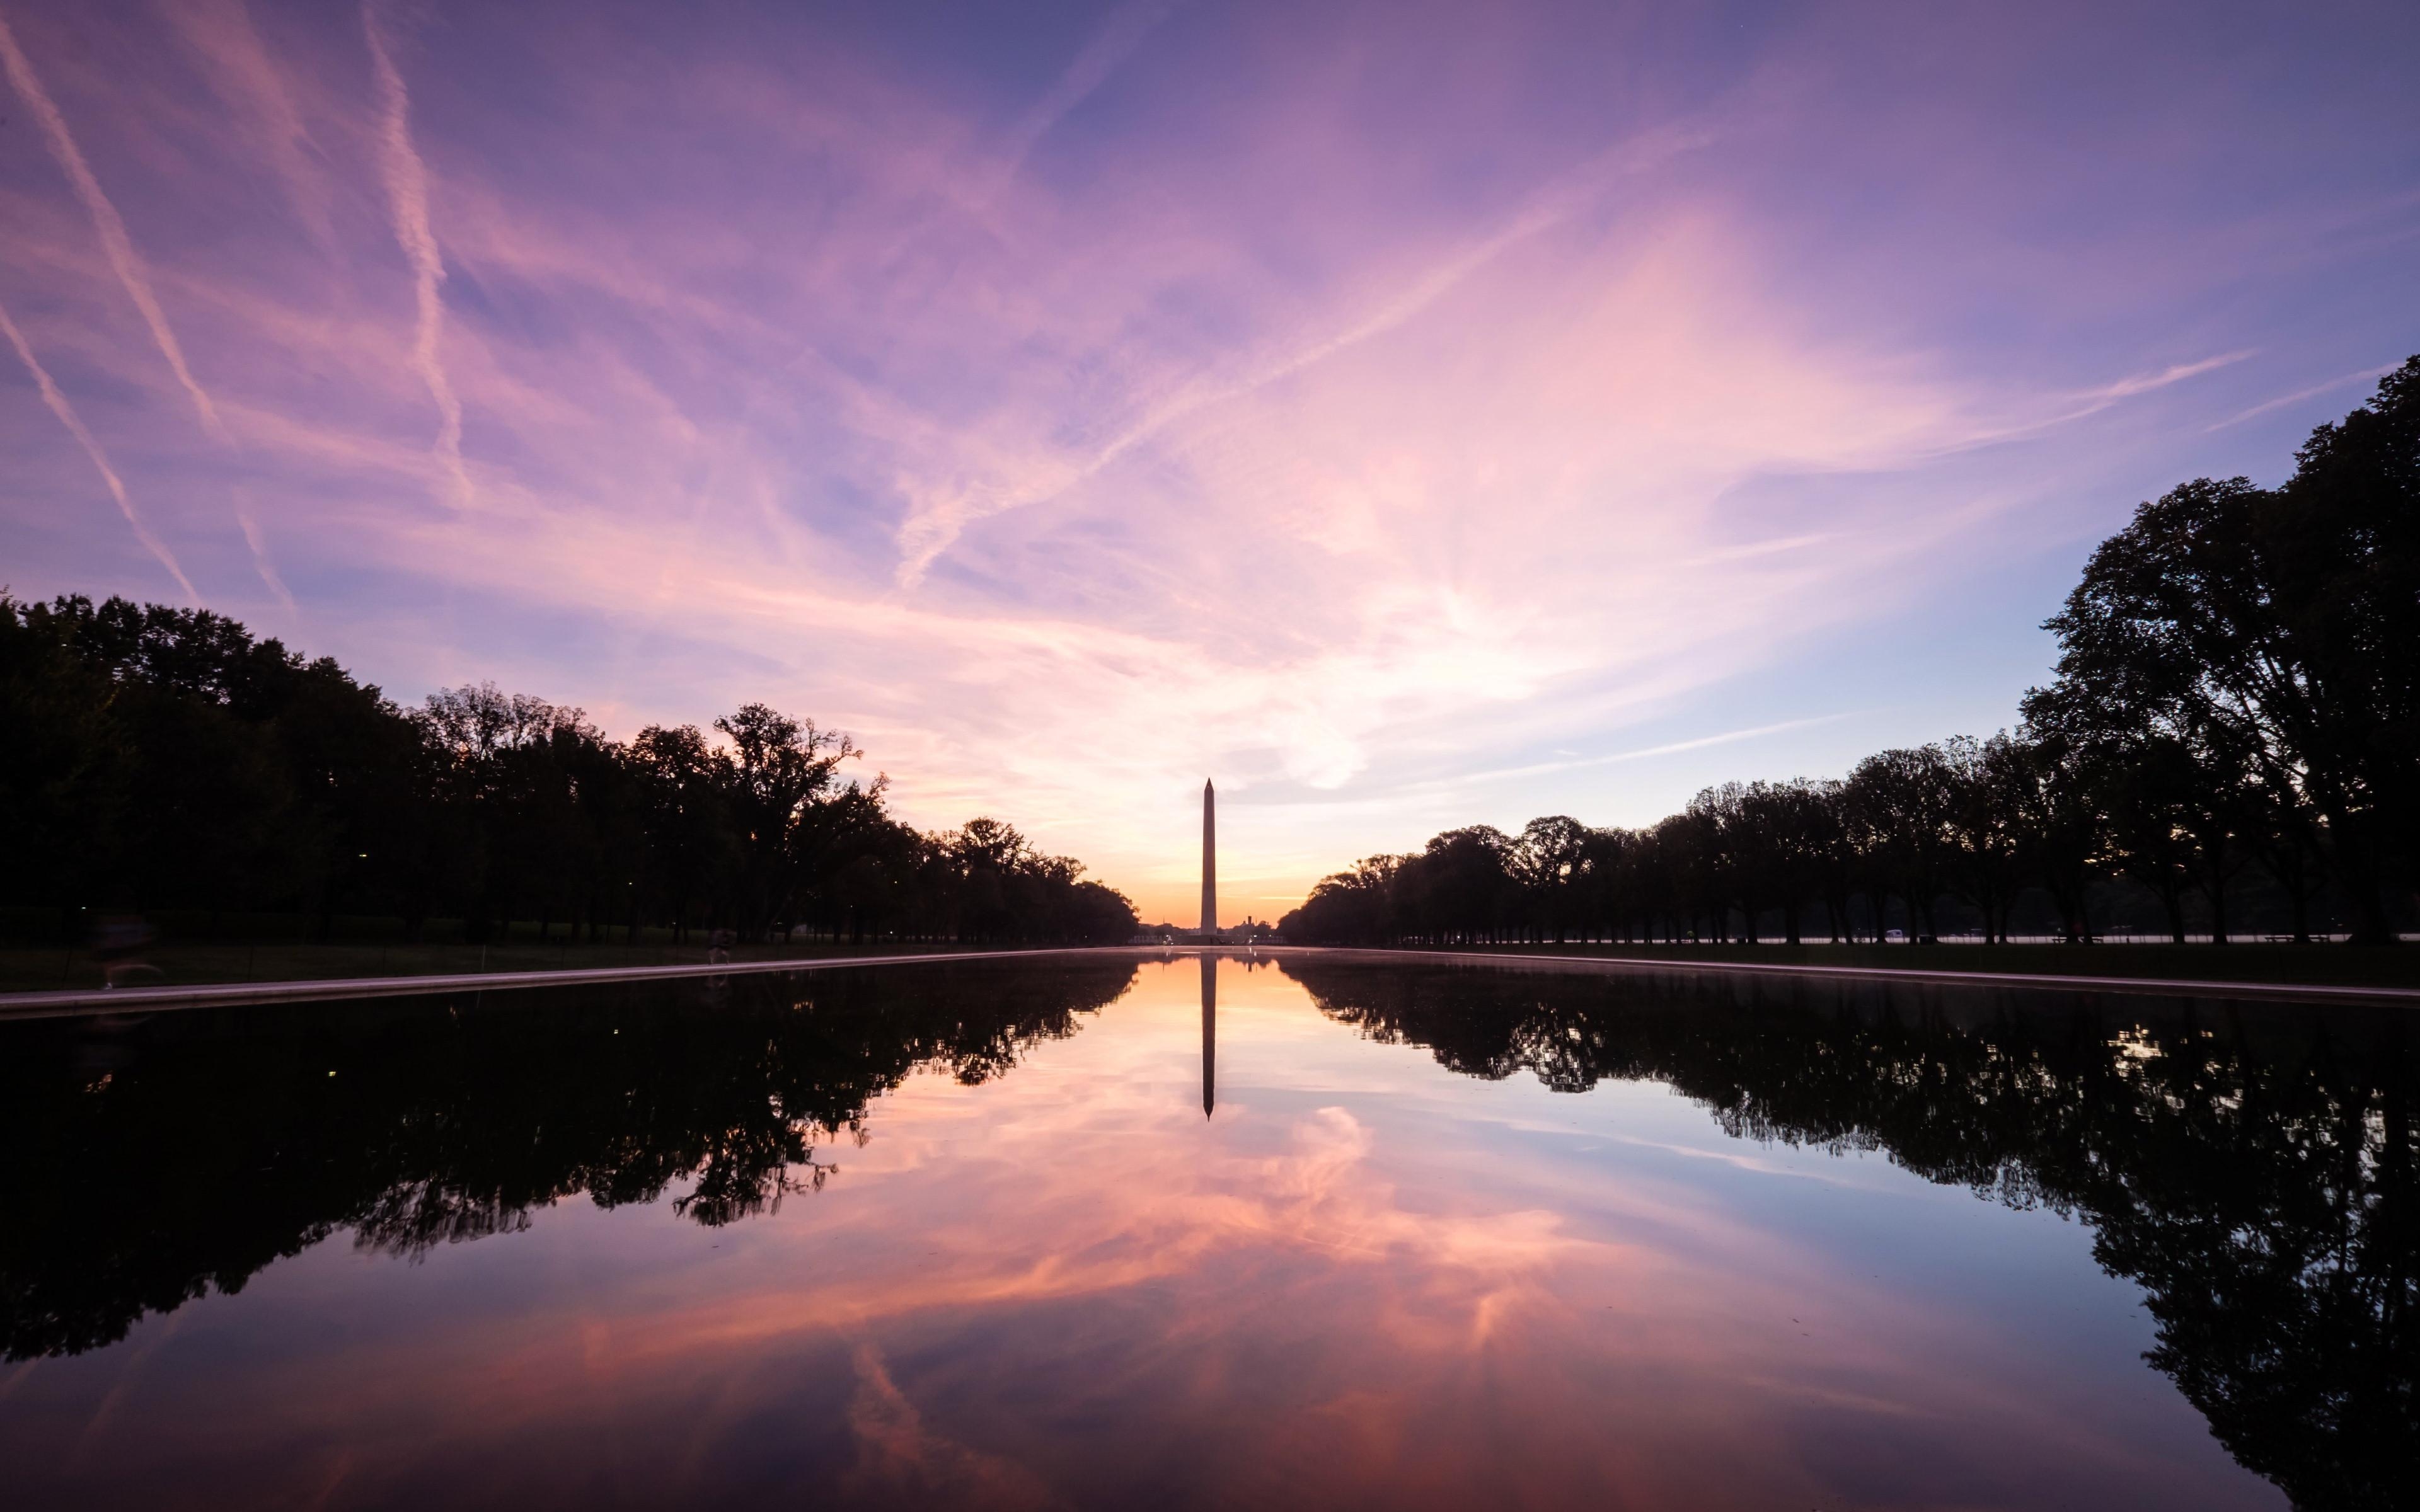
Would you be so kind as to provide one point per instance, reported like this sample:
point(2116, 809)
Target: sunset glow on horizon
point(1405, 416)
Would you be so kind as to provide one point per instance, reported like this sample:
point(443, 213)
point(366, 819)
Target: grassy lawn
point(26, 969)
point(2333, 965)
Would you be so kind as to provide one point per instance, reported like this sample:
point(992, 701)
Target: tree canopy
point(2236, 703)
point(163, 758)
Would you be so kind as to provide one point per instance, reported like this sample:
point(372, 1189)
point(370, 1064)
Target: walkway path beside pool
point(151, 999)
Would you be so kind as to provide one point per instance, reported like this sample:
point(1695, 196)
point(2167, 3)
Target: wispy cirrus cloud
point(248, 80)
point(1669, 747)
point(108, 226)
point(247, 517)
point(2342, 382)
point(934, 522)
point(405, 177)
point(75, 425)
point(1116, 41)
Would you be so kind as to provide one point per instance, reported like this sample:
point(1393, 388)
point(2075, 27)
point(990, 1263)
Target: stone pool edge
point(152, 1000)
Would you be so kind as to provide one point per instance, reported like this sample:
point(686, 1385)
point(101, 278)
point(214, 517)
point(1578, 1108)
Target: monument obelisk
point(1209, 858)
point(1209, 932)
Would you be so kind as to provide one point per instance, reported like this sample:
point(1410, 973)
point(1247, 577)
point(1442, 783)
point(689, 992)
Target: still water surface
point(1060, 1233)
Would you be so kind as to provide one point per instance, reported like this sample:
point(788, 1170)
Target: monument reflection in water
point(1209, 1033)
point(955, 1234)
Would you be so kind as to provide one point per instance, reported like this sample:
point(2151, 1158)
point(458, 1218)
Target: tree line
point(2237, 698)
point(163, 758)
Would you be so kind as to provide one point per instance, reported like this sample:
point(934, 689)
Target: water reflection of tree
point(2251, 1169)
point(212, 1146)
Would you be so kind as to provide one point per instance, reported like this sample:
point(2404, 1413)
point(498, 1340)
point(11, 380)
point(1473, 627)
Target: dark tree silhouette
point(2238, 700)
point(163, 759)
point(2268, 632)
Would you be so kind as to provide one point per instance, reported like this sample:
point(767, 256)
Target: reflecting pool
point(1113, 1230)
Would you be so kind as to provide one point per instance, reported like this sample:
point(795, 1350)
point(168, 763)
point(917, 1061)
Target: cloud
point(1668, 749)
point(243, 75)
point(2175, 373)
point(260, 562)
point(935, 520)
point(106, 222)
point(1554, 393)
point(2267, 406)
point(2089, 402)
point(406, 177)
point(67, 417)
point(1110, 46)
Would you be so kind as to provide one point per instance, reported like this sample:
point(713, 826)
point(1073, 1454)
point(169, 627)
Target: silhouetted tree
point(163, 759)
point(1549, 865)
point(2235, 688)
point(2272, 628)
point(1907, 797)
point(1983, 783)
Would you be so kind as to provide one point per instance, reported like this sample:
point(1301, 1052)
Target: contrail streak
point(260, 562)
point(925, 533)
point(407, 190)
point(1102, 57)
point(114, 243)
point(67, 417)
point(2300, 395)
point(1699, 742)
point(240, 71)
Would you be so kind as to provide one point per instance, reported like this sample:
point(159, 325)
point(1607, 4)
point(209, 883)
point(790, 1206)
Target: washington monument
point(1209, 962)
point(1209, 858)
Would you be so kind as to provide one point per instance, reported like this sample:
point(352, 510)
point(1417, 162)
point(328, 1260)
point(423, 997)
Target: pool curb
point(220, 995)
point(85, 1002)
point(2031, 980)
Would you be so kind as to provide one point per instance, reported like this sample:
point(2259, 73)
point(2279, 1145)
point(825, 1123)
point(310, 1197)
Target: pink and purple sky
point(1408, 416)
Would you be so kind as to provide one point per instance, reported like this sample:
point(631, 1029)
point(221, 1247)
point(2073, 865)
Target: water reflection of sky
point(1366, 1280)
